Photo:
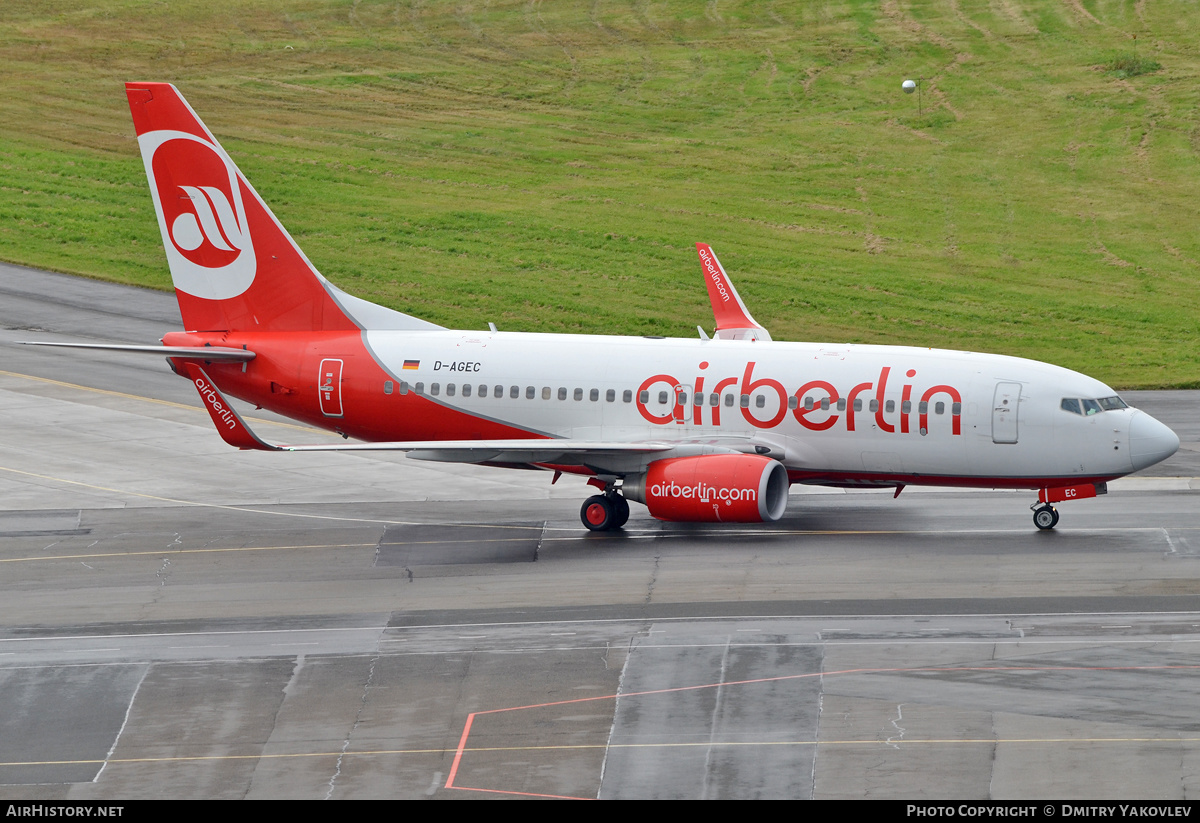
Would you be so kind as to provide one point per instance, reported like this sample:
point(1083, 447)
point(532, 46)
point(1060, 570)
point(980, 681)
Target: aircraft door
point(683, 405)
point(329, 387)
point(1005, 408)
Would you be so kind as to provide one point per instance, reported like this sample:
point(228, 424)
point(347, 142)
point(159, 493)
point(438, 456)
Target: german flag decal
point(412, 364)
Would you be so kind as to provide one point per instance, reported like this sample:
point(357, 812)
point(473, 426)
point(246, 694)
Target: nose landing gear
point(602, 512)
point(1045, 516)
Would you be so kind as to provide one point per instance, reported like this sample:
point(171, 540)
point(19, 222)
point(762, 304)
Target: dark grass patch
point(1130, 64)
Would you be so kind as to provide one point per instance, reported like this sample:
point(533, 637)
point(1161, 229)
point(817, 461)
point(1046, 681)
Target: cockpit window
point(1087, 407)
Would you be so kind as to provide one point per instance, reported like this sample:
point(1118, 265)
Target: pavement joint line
point(888, 743)
point(191, 634)
point(826, 533)
point(124, 722)
point(585, 746)
point(174, 659)
point(191, 648)
point(1154, 617)
point(164, 553)
point(336, 652)
point(822, 674)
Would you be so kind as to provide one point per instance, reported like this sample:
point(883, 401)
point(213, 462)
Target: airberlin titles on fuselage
point(816, 408)
point(819, 416)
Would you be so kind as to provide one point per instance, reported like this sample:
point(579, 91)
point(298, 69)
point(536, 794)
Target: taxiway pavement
point(180, 619)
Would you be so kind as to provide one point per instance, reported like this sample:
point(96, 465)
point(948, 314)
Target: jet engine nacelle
point(727, 488)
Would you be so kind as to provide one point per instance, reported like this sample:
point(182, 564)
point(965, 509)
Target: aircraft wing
point(733, 319)
point(235, 432)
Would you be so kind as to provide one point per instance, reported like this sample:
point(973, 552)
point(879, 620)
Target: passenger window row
point(514, 392)
point(714, 399)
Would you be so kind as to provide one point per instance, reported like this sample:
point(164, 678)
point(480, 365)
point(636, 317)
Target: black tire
point(1045, 518)
point(620, 511)
point(597, 513)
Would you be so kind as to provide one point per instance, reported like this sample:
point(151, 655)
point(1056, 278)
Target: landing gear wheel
point(620, 511)
point(598, 513)
point(1045, 517)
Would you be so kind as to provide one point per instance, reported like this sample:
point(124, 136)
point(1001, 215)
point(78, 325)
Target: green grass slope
point(549, 165)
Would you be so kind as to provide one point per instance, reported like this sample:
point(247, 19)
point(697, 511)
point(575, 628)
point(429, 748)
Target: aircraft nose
point(1150, 442)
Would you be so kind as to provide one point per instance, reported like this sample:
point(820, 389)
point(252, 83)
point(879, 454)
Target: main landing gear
point(602, 512)
point(1045, 516)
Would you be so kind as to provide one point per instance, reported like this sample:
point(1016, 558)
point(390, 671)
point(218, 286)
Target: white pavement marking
point(128, 709)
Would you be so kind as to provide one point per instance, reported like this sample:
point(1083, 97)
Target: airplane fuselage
point(834, 414)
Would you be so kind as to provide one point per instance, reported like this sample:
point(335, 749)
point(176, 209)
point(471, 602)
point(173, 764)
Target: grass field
point(549, 165)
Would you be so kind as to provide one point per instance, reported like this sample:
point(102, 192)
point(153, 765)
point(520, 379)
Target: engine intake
point(726, 488)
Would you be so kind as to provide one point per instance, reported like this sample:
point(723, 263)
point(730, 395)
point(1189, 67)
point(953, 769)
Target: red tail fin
point(233, 265)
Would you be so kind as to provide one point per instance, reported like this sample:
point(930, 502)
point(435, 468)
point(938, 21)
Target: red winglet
point(733, 320)
point(229, 423)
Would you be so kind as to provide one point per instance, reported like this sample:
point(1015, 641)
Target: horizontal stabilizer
point(214, 354)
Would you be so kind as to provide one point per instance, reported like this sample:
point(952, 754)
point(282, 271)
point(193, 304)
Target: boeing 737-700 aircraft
point(710, 429)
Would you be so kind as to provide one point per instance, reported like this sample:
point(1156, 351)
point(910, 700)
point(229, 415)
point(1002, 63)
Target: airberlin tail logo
point(198, 196)
point(211, 220)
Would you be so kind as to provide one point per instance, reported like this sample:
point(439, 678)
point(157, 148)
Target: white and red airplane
point(711, 429)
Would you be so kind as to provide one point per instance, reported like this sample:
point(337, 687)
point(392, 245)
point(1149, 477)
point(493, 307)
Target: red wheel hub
point(596, 514)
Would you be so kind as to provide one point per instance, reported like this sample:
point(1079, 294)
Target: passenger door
point(1005, 409)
